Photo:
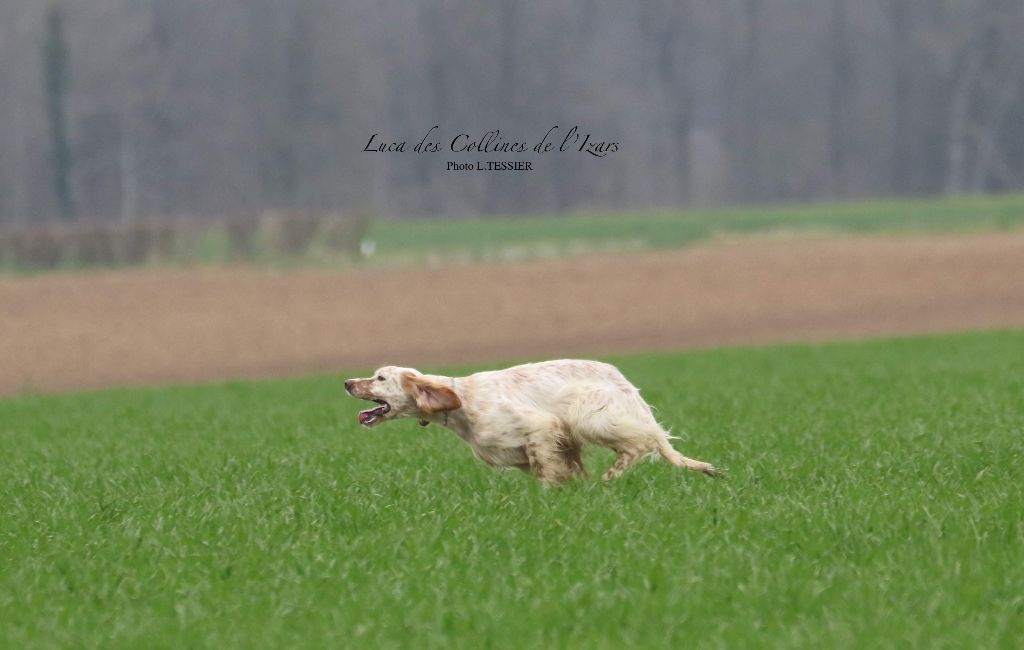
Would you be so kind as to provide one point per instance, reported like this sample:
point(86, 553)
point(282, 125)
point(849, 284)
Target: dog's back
point(547, 383)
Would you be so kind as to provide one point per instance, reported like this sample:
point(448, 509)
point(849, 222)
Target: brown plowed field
point(65, 332)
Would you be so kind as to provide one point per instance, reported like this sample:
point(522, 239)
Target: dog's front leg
point(547, 459)
point(573, 457)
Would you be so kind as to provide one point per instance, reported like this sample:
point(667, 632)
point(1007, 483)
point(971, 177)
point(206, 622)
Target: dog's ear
point(431, 397)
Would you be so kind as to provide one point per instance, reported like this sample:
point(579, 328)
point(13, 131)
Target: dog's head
point(401, 393)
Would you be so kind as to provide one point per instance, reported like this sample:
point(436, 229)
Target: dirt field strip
point(64, 332)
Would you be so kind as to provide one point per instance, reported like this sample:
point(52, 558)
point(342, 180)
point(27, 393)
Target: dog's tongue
point(370, 415)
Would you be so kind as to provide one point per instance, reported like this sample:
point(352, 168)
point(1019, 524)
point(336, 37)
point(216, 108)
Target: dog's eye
point(380, 377)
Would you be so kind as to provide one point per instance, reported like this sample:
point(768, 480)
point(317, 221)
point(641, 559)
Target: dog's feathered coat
point(535, 417)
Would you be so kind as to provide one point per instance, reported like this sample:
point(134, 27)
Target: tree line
point(129, 109)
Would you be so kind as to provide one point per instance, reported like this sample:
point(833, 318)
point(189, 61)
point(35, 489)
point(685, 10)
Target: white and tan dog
point(534, 417)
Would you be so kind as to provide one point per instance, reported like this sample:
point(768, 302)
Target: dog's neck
point(447, 413)
point(454, 421)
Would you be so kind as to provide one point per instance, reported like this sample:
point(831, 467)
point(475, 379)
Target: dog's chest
point(498, 448)
point(501, 456)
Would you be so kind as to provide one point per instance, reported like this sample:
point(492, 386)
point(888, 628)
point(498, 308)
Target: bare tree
point(840, 97)
point(55, 57)
point(901, 17)
point(747, 23)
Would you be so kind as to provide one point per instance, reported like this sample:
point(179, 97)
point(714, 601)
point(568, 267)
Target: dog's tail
point(669, 453)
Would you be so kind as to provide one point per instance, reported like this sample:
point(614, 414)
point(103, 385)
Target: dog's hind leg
point(626, 459)
point(625, 424)
point(632, 440)
point(660, 444)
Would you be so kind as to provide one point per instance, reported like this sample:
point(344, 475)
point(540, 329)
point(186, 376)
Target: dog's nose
point(348, 385)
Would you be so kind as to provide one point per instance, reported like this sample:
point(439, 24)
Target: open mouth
point(369, 417)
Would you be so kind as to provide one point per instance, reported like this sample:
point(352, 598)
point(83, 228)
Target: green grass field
point(551, 236)
point(875, 499)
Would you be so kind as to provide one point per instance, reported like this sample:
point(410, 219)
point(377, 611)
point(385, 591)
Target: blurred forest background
point(144, 109)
